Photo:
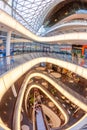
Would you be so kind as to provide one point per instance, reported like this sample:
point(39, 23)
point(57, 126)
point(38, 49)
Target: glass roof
point(32, 12)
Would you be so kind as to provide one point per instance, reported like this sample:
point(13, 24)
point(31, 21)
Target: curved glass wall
point(39, 47)
point(20, 47)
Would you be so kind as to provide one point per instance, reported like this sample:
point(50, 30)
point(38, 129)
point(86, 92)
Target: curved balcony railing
point(81, 23)
point(8, 63)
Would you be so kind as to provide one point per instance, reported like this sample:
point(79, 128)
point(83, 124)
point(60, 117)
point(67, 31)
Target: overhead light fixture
point(66, 13)
point(55, 20)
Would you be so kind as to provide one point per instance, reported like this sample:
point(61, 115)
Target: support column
point(8, 46)
point(14, 91)
point(8, 43)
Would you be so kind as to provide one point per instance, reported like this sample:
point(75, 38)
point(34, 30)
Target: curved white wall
point(10, 77)
point(16, 121)
point(7, 79)
point(51, 97)
point(68, 26)
point(17, 110)
point(14, 25)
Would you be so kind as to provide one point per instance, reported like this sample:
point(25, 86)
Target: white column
point(14, 91)
point(8, 47)
point(8, 43)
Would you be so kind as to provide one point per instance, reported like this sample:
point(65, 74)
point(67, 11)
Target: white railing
point(8, 63)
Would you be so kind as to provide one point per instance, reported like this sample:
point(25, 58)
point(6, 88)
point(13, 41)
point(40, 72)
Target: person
point(73, 57)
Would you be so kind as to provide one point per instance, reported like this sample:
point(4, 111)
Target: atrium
point(43, 64)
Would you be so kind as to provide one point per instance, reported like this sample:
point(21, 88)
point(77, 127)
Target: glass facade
point(32, 12)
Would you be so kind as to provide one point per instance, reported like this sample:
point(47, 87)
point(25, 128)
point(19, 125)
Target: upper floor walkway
point(14, 25)
point(9, 63)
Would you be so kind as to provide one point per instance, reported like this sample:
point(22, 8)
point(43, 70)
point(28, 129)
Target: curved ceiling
point(65, 9)
point(33, 12)
point(36, 13)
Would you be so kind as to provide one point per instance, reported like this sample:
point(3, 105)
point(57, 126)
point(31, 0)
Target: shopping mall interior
point(43, 64)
